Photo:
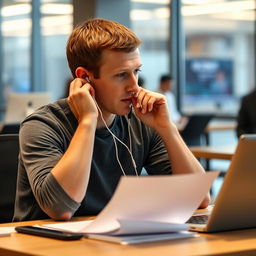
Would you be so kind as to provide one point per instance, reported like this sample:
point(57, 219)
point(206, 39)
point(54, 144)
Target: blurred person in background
point(246, 119)
point(166, 88)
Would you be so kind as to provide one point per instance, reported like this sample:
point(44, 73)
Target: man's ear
point(81, 73)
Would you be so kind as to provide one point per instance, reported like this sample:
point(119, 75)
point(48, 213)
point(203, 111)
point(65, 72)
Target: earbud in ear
point(88, 80)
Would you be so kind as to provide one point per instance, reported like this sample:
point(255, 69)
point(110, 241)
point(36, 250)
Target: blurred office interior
point(207, 45)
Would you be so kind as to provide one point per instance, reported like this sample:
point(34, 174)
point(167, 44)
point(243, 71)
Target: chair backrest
point(9, 151)
point(10, 129)
point(195, 128)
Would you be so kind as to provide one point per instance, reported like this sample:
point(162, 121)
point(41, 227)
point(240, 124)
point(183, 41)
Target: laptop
point(235, 205)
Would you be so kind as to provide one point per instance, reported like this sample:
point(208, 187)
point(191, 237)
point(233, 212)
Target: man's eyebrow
point(127, 69)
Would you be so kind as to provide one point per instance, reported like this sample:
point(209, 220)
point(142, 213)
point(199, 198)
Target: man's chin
point(123, 112)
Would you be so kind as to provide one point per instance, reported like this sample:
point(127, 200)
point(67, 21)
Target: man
point(166, 87)
point(72, 152)
point(246, 121)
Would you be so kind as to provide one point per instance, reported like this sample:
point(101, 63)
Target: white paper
point(147, 227)
point(6, 231)
point(148, 204)
point(70, 226)
point(171, 199)
point(136, 239)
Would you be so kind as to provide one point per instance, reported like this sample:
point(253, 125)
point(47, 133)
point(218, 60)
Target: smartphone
point(38, 231)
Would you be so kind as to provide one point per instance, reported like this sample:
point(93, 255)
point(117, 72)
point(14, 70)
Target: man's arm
point(73, 170)
point(152, 109)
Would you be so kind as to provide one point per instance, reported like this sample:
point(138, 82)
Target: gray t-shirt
point(45, 136)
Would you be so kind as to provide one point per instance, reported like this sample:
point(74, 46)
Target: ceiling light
point(152, 1)
point(141, 14)
point(15, 10)
point(218, 8)
point(57, 9)
point(56, 21)
point(239, 15)
point(162, 13)
point(21, 27)
point(199, 2)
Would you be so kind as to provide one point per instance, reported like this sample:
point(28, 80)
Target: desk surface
point(205, 244)
point(214, 126)
point(220, 126)
point(213, 152)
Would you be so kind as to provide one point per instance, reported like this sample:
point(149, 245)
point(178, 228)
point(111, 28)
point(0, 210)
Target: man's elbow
point(65, 216)
point(60, 216)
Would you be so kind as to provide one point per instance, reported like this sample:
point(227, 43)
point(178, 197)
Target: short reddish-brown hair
point(89, 39)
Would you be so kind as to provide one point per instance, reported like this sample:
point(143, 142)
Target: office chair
point(10, 129)
point(195, 129)
point(9, 151)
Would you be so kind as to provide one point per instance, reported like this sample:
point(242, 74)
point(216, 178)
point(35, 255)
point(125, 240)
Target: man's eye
point(121, 75)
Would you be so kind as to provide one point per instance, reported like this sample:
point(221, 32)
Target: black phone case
point(38, 231)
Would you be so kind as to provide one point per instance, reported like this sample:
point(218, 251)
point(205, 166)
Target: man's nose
point(134, 87)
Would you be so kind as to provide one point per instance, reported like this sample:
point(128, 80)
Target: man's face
point(117, 81)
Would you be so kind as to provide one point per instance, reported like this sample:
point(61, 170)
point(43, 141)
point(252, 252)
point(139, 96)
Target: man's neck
point(107, 118)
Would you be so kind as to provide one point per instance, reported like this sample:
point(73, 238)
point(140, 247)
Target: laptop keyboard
point(198, 219)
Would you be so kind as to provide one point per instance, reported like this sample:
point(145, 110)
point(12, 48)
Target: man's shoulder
point(51, 111)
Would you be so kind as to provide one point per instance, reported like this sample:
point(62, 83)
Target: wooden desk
point(213, 152)
point(214, 126)
point(205, 244)
point(220, 126)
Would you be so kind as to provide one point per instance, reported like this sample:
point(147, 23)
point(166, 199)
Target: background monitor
point(209, 77)
point(20, 105)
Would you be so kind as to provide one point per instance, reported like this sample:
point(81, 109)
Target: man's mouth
point(127, 100)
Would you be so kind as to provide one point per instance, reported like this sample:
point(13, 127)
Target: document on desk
point(148, 205)
point(6, 231)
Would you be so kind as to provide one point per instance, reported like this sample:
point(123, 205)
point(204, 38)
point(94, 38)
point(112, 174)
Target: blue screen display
point(209, 77)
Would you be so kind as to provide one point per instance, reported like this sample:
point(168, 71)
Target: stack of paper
point(129, 231)
point(144, 209)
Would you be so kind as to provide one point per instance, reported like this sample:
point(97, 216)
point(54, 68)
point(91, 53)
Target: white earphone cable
point(116, 138)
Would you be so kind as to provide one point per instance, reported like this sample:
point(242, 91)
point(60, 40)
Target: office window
point(220, 54)
point(56, 25)
point(150, 21)
point(15, 42)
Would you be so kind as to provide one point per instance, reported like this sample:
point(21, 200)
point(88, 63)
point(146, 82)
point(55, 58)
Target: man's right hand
point(81, 100)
